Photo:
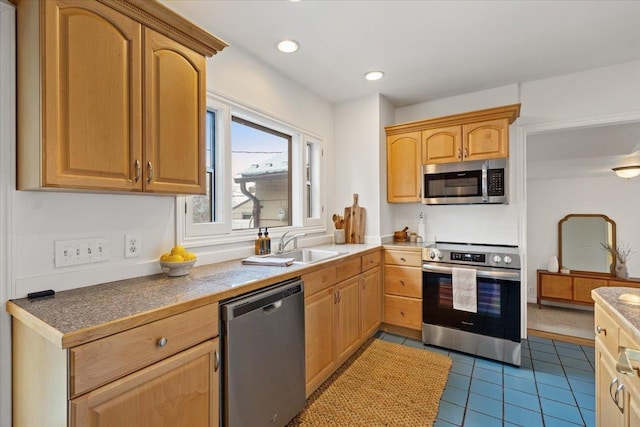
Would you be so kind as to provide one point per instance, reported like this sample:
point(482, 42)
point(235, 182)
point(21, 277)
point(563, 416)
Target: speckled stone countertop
point(83, 314)
point(627, 314)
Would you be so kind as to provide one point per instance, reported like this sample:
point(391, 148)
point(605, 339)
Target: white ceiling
point(428, 49)
point(589, 151)
point(436, 49)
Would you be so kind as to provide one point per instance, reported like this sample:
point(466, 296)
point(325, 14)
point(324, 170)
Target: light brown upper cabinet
point(111, 97)
point(403, 167)
point(476, 135)
point(473, 141)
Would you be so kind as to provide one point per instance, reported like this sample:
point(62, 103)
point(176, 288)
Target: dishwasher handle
point(272, 307)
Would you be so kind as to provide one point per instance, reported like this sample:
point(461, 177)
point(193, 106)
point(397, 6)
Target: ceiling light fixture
point(288, 46)
point(374, 75)
point(627, 171)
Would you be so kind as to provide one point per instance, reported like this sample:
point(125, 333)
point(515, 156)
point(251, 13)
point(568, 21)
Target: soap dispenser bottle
point(267, 241)
point(421, 229)
point(258, 243)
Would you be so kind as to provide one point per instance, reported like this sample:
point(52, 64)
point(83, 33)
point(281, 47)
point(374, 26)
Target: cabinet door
point(403, 168)
point(486, 140)
point(91, 97)
point(582, 287)
point(370, 302)
point(175, 109)
point(607, 412)
point(442, 145)
point(555, 286)
point(348, 318)
point(319, 337)
point(179, 391)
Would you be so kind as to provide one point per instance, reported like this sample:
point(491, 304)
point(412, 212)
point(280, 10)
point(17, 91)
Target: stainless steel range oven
point(472, 299)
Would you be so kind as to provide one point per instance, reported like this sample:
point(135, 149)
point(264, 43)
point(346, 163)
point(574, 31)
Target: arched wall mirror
point(580, 239)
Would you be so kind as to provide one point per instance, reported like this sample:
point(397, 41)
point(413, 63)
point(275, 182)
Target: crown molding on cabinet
point(511, 112)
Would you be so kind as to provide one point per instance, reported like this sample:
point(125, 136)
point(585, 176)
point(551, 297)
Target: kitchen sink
point(309, 256)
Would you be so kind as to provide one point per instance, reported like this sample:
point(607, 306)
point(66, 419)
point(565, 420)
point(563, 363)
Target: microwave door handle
point(485, 190)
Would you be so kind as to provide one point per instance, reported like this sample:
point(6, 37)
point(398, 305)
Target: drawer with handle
point(402, 311)
point(403, 281)
point(370, 261)
point(99, 362)
point(606, 330)
point(409, 258)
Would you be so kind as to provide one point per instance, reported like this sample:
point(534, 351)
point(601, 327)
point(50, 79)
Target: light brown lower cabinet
point(403, 288)
point(162, 373)
point(617, 393)
point(180, 390)
point(342, 310)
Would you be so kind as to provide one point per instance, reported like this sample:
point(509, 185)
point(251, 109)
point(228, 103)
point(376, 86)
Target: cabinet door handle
point(402, 282)
point(162, 342)
point(216, 364)
point(138, 171)
point(459, 153)
point(619, 404)
point(402, 313)
point(601, 330)
point(150, 172)
point(613, 383)
point(403, 259)
point(466, 152)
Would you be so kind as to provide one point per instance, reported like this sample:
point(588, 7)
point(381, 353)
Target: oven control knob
point(432, 255)
point(507, 259)
point(439, 255)
point(497, 259)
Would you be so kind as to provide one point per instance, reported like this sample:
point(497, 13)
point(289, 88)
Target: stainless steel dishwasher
point(263, 356)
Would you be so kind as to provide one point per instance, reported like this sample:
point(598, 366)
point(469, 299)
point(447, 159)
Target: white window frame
point(220, 231)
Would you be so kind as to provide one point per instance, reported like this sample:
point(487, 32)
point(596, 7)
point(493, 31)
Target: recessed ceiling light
point(288, 46)
point(374, 75)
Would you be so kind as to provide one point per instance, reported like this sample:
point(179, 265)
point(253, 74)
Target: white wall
point(357, 145)
point(7, 180)
point(549, 200)
point(386, 209)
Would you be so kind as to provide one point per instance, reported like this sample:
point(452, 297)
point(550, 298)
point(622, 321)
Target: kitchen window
point(261, 172)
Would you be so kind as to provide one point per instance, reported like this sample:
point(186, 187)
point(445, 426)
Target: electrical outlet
point(530, 289)
point(132, 245)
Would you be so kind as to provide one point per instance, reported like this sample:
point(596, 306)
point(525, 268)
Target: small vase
point(621, 271)
point(552, 265)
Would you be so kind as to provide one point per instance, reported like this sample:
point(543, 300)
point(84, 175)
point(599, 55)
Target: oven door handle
point(503, 275)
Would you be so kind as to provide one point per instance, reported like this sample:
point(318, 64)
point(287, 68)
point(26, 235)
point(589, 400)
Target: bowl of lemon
point(177, 262)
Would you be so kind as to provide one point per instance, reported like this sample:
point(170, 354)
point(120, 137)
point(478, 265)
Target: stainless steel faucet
point(282, 244)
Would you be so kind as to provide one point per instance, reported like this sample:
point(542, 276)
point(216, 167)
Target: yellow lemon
point(174, 258)
point(189, 256)
point(164, 256)
point(178, 250)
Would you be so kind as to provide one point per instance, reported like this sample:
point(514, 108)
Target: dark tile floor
point(554, 387)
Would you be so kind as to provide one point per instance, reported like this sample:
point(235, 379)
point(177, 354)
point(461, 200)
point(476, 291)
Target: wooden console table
point(575, 288)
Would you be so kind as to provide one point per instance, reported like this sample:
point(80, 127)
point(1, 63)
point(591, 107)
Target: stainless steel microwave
point(464, 183)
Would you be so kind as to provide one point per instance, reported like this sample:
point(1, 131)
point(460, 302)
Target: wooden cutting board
point(354, 222)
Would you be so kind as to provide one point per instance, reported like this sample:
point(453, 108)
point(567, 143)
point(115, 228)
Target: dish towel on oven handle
point(465, 289)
